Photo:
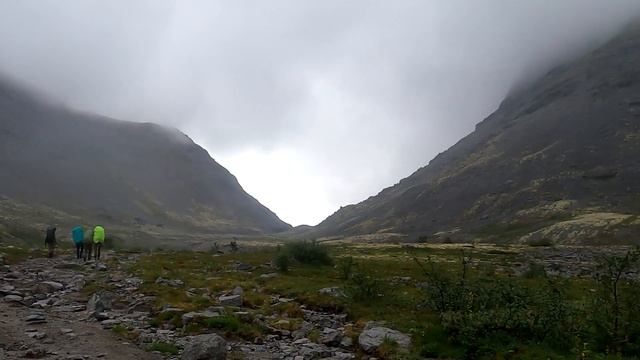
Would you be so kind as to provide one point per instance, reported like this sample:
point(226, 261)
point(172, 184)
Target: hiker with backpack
point(50, 239)
point(98, 240)
point(88, 244)
point(77, 234)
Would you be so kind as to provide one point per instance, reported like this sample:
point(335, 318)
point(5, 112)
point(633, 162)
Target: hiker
point(77, 234)
point(50, 239)
point(88, 244)
point(98, 240)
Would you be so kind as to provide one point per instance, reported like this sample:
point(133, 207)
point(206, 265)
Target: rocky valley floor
point(51, 310)
point(368, 302)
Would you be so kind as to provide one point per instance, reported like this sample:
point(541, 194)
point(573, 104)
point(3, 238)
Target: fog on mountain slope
point(362, 92)
point(132, 177)
point(558, 161)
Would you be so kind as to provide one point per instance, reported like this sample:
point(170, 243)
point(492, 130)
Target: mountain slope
point(566, 146)
point(116, 172)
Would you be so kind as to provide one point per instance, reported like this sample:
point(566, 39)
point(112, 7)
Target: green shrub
point(363, 288)
point(164, 348)
point(282, 262)
point(534, 271)
point(615, 310)
point(346, 267)
point(226, 322)
point(485, 314)
point(309, 253)
point(540, 243)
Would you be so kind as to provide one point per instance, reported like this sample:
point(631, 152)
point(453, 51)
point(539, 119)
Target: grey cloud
point(365, 91)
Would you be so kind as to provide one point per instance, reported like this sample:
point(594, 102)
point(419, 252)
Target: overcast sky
point(311, 104)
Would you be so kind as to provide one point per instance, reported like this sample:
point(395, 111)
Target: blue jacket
point(77, 234)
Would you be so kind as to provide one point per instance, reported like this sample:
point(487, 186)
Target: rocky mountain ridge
point(558, 160)
point(91, 169)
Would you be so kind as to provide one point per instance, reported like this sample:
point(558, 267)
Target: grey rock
point(100, 302)
point(346, 342)
point(331, 291)
point(108, 324)
point(47, 287)
point(195, 316)
point(205, 347)
point(37, 335)
point(269, 276)
point(331, 337)
point(134, 281)
point(101, 267)
point(243, 267)
point(230, 300)
point(177, 283)
point(100, 316)
point(237, 291)
point(370, 339)
point(13, 298)
point(35, 319)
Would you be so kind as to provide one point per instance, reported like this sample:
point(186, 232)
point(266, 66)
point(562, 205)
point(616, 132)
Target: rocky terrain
point(557, 160)
point(48, 313)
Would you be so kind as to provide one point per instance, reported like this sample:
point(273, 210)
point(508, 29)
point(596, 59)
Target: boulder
point(78, 282)
point(48, 287)
point(230, 300)
point(331, 337)
point(100, 302)
point(370, 339)
point(205, 347)
point(195, 316)
point(13, 298)
point(237, 291)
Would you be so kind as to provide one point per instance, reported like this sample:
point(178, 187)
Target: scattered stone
point(370, 339)
point(346, 342)
point(330, 337)
point(205, 347)
point(269, 276)
point(194, 316)
point(13, 298)
point(100, 302)
point(101, 267)
point(108, 324)
point(331, 291)
point(37, 335)
point(230, 300)
point(48, 287)
point(242, 267)
point(177, 283)
point(237, 291)
point(35, 319)
point(100, 316)
point(35, 353)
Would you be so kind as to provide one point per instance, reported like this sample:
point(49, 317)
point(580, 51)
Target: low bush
point(164, 348)
point(282, 262)
point(540, 243)
point(364, 288)
point(346, 267)
point(309, 253)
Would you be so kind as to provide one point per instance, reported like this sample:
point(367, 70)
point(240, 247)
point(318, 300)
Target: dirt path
point(42, 315)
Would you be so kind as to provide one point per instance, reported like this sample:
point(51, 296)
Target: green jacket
point(98, 234)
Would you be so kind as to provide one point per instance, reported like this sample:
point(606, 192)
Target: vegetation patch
point(165, 348)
